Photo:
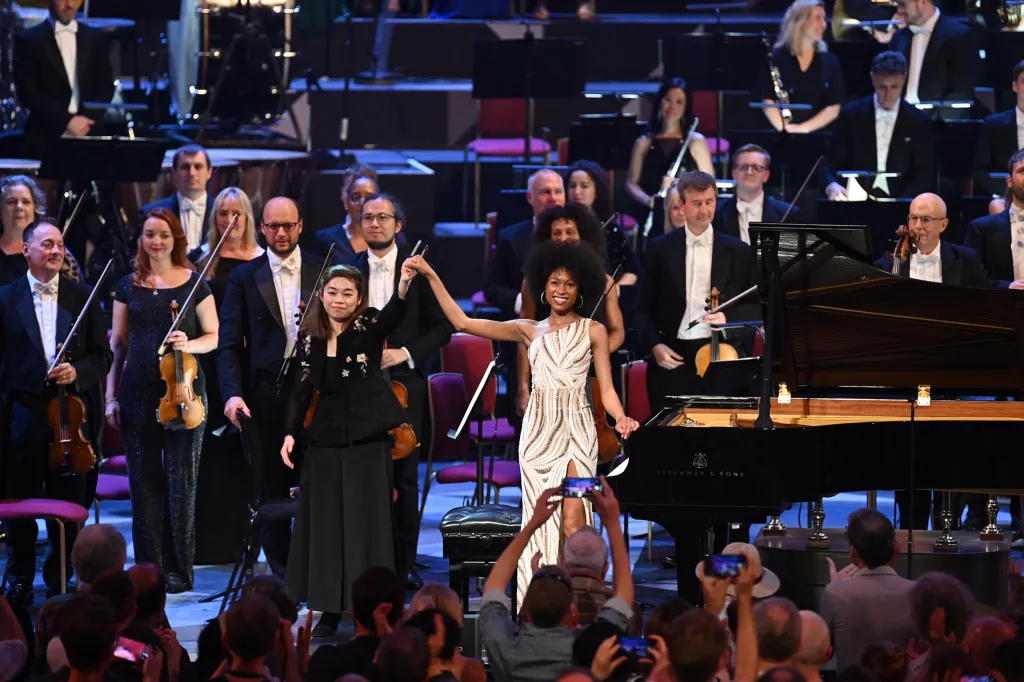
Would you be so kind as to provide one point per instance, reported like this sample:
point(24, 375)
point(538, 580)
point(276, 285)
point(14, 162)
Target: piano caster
point(774, 527)
point(946, 542)
point(818, 539)
point(991, 532)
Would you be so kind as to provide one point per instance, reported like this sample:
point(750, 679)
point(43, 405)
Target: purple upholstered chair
point(111, 483)
point(56, 510)
point(447, 401)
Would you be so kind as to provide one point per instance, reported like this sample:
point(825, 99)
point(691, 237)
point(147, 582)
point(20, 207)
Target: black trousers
point(28, 474)
point(406, 474)
point(271, 479)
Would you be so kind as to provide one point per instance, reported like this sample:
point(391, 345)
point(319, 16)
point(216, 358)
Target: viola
point(403, 437)
point(715, 350)
point(180, 408)
point(904, 247)
point(70, 447)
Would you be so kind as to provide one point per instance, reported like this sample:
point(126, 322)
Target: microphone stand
point(478, 495)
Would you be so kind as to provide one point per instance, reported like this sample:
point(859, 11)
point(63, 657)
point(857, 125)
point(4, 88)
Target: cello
point(66, 413)
point(180, 407)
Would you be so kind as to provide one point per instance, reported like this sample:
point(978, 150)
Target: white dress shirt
point(66, 36)
point(885, 123)
point(44, 301)
point(288, 284)
point(192, 212)
point(749, 212)
point(1017, 241)
point(918, 46)
point(1020, 123)
point(927, 267)
point(382, 283)
point(698, 283)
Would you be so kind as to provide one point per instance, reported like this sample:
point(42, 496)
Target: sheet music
point(854, 192)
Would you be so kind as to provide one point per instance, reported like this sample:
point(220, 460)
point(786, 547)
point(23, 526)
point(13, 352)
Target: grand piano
point(883, 376)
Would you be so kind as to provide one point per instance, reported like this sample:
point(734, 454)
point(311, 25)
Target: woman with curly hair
point(21, 204)
point(558, 438)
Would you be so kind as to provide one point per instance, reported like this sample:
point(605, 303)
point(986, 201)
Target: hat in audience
point(766, 585)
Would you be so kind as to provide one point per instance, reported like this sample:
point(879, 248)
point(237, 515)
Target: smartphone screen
point(580, 487)
point(636, 647)
point(724, 565)
point(130, 650)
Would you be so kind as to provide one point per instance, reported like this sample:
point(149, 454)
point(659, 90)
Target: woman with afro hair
point(558, 437)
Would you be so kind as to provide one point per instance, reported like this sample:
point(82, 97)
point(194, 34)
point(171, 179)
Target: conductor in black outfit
point(1002, 134)
point(424, 329)
point(37, 312)
point(59, 64)
point(258, 326)
point(882, 133)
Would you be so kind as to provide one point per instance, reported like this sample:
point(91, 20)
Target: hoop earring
point(579, 301)
point(542, 298)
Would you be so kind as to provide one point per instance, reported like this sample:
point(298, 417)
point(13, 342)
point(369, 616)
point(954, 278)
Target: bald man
point(935, 260)
point(815, 646)
point(259, 322)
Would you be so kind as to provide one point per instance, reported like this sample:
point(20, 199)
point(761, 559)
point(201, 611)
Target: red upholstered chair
point(469, 356)
point(705, 107)
point(501, 125)
point(758, 350)
point(51, 510)
point(447, 401)
point(637, 406)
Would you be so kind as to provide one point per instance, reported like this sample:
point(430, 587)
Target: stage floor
point(655, 583)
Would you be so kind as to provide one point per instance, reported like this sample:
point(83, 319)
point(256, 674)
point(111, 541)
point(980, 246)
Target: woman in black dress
point(221, 509)
point(586, 183)
point(344, 525)
point(809, 74)
point(21, 203)
point(162, 463)
point(655, 152)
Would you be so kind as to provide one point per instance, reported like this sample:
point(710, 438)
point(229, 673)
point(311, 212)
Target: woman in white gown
point(558, 438)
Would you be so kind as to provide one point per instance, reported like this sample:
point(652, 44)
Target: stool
point(473, 539)
point(40, 508)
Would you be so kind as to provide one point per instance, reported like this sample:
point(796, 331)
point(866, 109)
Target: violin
point(180, 408)
point(403, 438)
point(70, 447)
point(66, 413)
point(715, 350)
point(607, 437)
point(904, 247)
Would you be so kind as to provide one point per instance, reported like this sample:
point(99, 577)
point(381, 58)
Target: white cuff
point(408, 358)
point(519, 303)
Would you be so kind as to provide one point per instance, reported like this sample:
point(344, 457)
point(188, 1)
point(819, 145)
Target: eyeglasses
point(274, 227)
point(751, 168)
point(553, 574)
point(924, 220)
point(381, 218)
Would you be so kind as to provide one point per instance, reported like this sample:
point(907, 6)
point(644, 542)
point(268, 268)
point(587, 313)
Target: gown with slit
point(558, 428)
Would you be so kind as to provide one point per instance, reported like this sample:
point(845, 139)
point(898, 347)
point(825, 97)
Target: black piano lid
point(844, 323)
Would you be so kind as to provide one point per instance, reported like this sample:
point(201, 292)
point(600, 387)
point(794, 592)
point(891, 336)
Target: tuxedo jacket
point(951, 63)
point(424, 328)
point(171, 203)
point(21, 347)
point(960, 266)
point(662, 296)
point(504, 279)
point(252, 333)
point(343, 252)
point(989, 237)
point(42, 81)
point(997, 142)
point(727, 218)
point(911, 149)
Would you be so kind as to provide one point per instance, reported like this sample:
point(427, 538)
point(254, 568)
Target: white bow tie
point(195, 206)
point(702, 241)
point(65, 28)
point(885, 115)
point(930, 259)
point(287, 266)
point(744, 207)
point(920, 30)
point(46, 290)
point(379, 266)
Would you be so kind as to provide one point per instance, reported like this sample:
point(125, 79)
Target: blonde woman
point(241, 246)
point(674, 218)
point(809, 73)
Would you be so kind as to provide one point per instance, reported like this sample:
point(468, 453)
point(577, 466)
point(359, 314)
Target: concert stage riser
point(804, 573)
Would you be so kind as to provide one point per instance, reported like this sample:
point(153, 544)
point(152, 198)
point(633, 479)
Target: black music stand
point(955, 152)
point(605, 139)
point(529, 69)
point(883, 216)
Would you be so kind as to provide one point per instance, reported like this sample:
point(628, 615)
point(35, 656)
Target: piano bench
point(473, 538)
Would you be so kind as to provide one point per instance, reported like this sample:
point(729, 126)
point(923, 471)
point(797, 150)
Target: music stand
point(605, 139)
point(956, 151)
point(882, 216)
point(734, 378)
point(529, 69)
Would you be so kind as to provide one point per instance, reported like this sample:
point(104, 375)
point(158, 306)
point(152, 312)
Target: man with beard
point(999, 238)
point(423, 331)
point(37, 312)
point(259, 321)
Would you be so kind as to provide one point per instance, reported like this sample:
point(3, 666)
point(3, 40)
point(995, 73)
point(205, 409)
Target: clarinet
point(780, 91)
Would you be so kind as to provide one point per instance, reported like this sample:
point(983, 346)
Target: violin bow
point(62, 349)
point(789, 210)
point(162, 348)
point(607, 289)
point(74, 214)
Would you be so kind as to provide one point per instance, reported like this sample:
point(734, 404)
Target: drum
point(245, 49)
point(268, 173)
point(133, 196)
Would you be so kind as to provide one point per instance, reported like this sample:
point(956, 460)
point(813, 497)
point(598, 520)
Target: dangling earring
point(579, 301)
point(542, 298)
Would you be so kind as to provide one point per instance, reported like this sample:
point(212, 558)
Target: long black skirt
point(344, 525)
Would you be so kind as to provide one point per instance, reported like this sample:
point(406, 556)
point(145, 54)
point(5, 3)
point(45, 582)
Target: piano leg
point(692, 545)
